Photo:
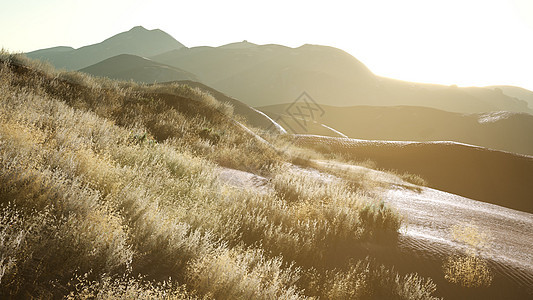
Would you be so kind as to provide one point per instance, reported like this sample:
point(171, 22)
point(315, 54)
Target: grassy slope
point(109, 189)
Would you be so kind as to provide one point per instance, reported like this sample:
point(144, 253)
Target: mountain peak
point(138, 28)
point(238, 45)
point(136, 41)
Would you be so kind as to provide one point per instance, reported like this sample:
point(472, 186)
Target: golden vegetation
point(109, 190)
point(468, 270)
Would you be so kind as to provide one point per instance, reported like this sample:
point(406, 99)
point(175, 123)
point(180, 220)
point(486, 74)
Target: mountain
point(52, 51)
point(262, 75)
point(239, 45)
point(506, 131)
point(271, 74)
point(212, 64)
point(477, 173)
point(139, 69)
point(516, 92)
point(137, 41)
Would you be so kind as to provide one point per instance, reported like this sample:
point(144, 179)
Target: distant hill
point(499, 130)
point(516, 92)
point(211, 64)
point(269, 74)
point(262, 75)
point(131, 67)
point(478, 173)
point(137, 41)
point(273, 74)
point(52, 51)
point(239, 45)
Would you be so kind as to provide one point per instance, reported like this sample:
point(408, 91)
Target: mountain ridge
point(137, 41)
point(271, 74)
point(139, 69)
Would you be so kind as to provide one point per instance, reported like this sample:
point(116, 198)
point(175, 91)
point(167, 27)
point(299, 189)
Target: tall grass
point(110, 190)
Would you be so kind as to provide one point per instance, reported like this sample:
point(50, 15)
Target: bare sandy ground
point(425, 240)
point(474, 172)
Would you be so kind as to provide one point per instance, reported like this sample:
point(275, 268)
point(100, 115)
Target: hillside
point(260, 75)
point(273, 74)
point(137, 41)
point(112, 190)
point(128, 67)
point(499, 130)
point(474, 172)
point(250, 115)
point(516, 92)
point(116, 190)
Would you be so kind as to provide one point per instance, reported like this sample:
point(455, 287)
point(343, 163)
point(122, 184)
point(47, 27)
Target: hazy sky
point(463, 42)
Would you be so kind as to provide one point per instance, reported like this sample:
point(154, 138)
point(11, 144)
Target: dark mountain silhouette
point(498, 130)
point(478, 173)
point(137, 41)
point(130, 67)
point(272, 74)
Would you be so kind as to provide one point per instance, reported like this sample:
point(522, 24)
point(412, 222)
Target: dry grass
point(367, 280)
point(109, 288)
point(109, 190)
point(468, 269)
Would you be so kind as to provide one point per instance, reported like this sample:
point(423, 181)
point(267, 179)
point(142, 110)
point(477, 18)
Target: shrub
point(468, 269)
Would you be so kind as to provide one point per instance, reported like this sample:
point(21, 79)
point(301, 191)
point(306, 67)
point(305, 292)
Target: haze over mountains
point(517, 92)
point(261, 75)
point(137, 41)
point(505, 131)
point(131, 67)
point(275, 74)
point(356, 103)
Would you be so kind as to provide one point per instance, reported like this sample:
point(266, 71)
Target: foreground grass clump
point(367, 280)
point(110, 190)
point(468, 269)
point(126, 288)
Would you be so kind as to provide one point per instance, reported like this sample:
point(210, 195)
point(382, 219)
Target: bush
point(468, 269)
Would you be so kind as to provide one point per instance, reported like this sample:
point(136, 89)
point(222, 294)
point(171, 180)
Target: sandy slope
point(426, 235)
point(479, 173)
point(425, 239)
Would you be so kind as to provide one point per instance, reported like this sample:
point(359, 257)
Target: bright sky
point(463, 42)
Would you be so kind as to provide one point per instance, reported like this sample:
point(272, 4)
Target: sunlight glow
point(473, 42)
